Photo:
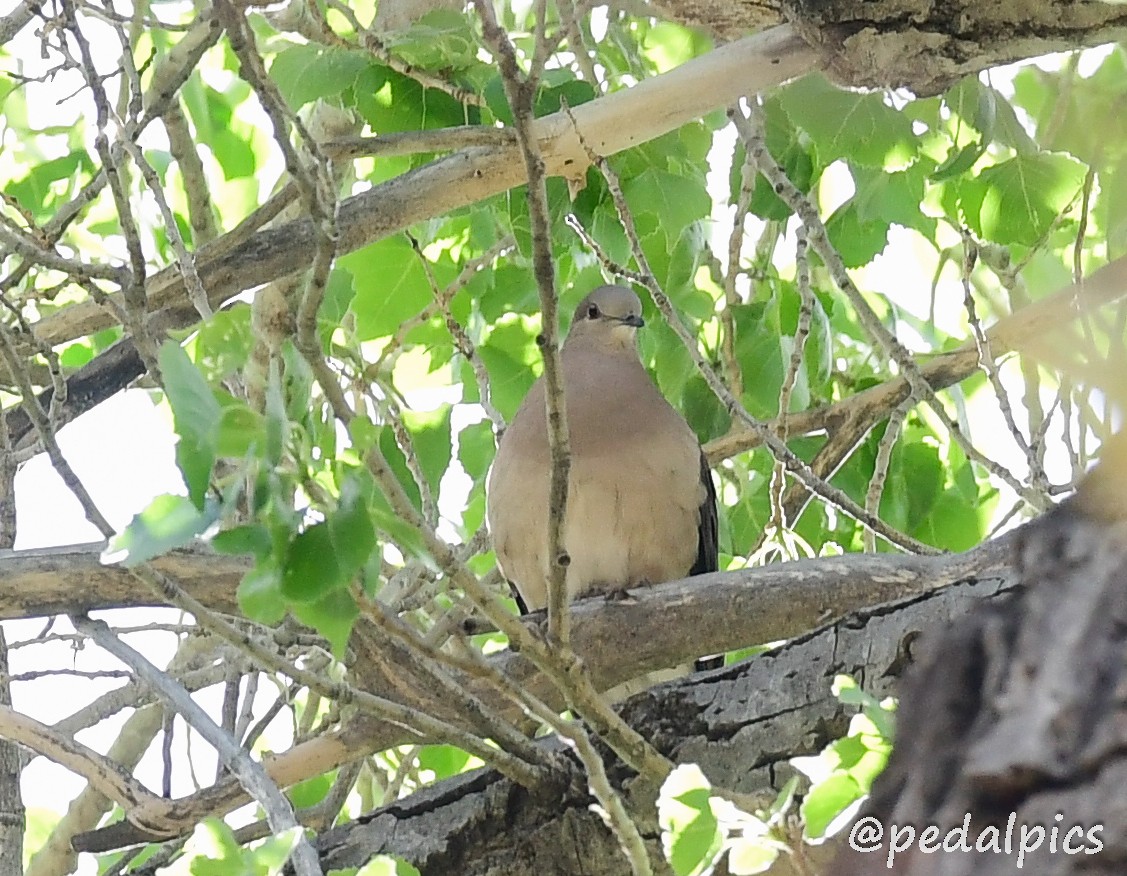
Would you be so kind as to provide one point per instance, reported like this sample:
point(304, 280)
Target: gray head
point(609, 315)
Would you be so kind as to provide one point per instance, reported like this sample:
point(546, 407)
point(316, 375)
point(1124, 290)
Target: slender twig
point(751, 130)
point(880, 465)
point(801, 334)
point(986, 361)
point(736, 236)
point(520, 91)
point(252, 776)
point(736, 410)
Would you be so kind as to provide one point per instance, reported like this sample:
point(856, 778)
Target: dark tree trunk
point(1016, 716)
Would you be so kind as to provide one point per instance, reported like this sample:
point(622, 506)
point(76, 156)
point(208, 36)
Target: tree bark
point(660, 627)
point(1014, 718)
point(741, 723)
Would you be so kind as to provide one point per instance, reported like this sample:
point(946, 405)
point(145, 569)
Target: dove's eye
point(592, 311)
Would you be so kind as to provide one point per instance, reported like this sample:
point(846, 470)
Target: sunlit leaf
point(1016, 201)
point(169, 522)
point(859, 126)
point(690, 834)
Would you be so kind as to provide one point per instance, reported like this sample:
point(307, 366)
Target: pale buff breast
point(635, 488)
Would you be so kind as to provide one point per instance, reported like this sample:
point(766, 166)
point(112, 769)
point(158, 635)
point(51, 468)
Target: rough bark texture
point(741, 724)
point(922, 45)
point(1015, 715)
point(12, 813)
point(660, 627)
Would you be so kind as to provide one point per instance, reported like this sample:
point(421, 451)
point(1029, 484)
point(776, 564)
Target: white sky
point(123, 452)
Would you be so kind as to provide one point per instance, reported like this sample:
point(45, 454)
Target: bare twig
point(736, 410)
point(521, 91)
point(252, 776)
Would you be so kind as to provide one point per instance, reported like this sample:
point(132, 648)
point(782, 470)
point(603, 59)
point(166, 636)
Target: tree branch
point(610, 124)
point(741, 724)
point(663, 626)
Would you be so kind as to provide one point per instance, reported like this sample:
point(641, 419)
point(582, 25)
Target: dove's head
point(609, 316)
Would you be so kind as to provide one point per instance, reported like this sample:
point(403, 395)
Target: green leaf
point(76, 355)
point(959, 161)
point(559, 87)
point(828, 799)
point(339, 293)
point(508, 353)
point(332, 616)
point(846, 689)
point(168, 523)
point(34, 191)
point(893, 197)
point(213, 113)
point(391, 285)
point(750, 855)
point(497, 100)
point(915, 481)
point(196, 416)
point(312, 791)
point(1016, 201)
point(213, 850)
point(476, 448)
point(222, 343)
point(443, 760)
point(311, 568)
point(390, 102)
point(307, 72)
point(381, 865)
point(260, 595)
point(670, 45)
point(695, 845)
point(955, 524)
point(276, 427)
point(240, 431)
point(703, 410)
point(675, 200)
point(443, 39)
point(353, 535)
point(250, 538)
point(858, 241)
point(391, 451)
point(430, 435)
point(690, 832)
point(848, 124)
point(759, 352)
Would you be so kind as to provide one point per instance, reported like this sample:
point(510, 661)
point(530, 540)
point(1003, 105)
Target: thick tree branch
point(662, 626)
point(741, 724)
point(1017, 710)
